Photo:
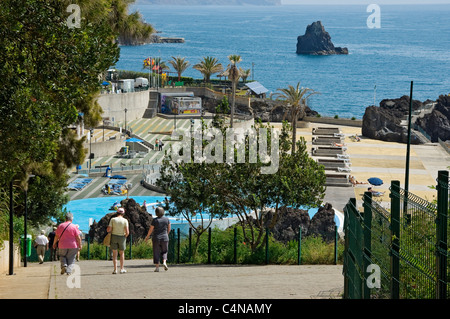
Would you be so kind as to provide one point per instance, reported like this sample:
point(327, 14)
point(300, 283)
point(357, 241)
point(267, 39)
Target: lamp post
point(11, 230)
point(126, 121)
point(91, 133)
point(25, 217)
point(408, 151)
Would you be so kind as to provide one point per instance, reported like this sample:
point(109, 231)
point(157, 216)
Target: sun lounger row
point(327, 140)
point(79, 184)
point(326, 131)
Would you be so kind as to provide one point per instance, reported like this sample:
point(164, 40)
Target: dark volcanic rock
point(138, 219)
point(384, 122)
point(316, 41)
point(264, 109)
point(290, 220)
point(437, 123)
point(323, 224)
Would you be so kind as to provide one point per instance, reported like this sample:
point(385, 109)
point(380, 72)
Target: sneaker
point(122, 271)
point(63, 270)
point(114, 272)
point(165, 267)
point(156, 269)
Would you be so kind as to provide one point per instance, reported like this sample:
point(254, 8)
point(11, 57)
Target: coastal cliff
point(316, 41)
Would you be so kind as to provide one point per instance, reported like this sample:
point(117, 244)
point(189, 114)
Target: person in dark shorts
point(160, 229)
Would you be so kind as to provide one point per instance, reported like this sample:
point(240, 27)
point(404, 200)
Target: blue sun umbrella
point(375, 181)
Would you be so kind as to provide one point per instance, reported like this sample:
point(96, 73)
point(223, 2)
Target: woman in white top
point(118, 227)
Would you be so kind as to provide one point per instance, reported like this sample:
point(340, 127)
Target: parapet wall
point(114, 105)
point(4, 257)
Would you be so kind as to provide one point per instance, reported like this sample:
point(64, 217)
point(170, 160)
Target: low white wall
point(114, 105)
point(4, 257)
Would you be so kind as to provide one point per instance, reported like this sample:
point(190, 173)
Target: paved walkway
point(95, 281)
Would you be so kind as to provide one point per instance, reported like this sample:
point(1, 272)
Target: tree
point(131, 28)
point(179, 65)
point(50, 74)
point(208, 66)
point(296, 102)
point(231, 187)
point(233, 76)
point(244, 74)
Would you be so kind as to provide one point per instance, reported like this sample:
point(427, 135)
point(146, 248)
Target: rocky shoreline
point(388, 122)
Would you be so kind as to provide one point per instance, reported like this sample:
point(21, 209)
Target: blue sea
point(412, 44)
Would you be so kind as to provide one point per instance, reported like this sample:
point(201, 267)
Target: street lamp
point(11, 230)
point(91, 134)
point(25, 217)
point(126, 120)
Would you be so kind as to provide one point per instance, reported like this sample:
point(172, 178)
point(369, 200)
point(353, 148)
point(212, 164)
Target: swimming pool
point(96, 208)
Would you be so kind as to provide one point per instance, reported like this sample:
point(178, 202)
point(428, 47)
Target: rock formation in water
point(316, 41)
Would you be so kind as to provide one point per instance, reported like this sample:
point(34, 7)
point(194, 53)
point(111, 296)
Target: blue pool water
point(96, 208)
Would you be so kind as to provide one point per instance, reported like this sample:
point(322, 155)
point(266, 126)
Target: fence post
point(335, 244)
point(131, 243)
point(178, 245)
point(267, 246)
point(300, 245)
point(367, 230)
point(209, 245)
point(395, 239)
point(190, 244)
point(235, 245)
point(87, 240)
point(441, 234)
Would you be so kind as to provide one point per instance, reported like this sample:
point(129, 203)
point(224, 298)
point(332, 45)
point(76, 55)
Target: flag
point(148, 62)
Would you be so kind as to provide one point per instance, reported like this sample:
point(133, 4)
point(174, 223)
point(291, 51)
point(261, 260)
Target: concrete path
point(94, 280)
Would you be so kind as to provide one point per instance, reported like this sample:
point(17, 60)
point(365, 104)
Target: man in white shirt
point(118, 226)
point(41, 244)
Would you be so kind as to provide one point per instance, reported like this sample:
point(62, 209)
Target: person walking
point(119, 229)
point(156, 145)
point(41, 244)
point(51, 239)
point(160, 228)
point(68, 241)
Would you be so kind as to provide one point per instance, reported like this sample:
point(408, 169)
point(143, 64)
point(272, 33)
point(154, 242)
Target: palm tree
point(244, 74)
point(180, 65)
point(208, 66)
point(233, 76)
point(296, 101)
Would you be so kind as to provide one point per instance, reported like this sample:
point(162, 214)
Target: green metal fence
point(401, 253)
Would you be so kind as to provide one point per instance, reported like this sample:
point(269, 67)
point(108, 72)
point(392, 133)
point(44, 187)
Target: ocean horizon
point(412, 44)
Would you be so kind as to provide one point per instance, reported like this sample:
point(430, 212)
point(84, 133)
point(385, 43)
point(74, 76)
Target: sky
point(365, 2)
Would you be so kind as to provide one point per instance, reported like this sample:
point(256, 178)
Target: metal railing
point(408, 246)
